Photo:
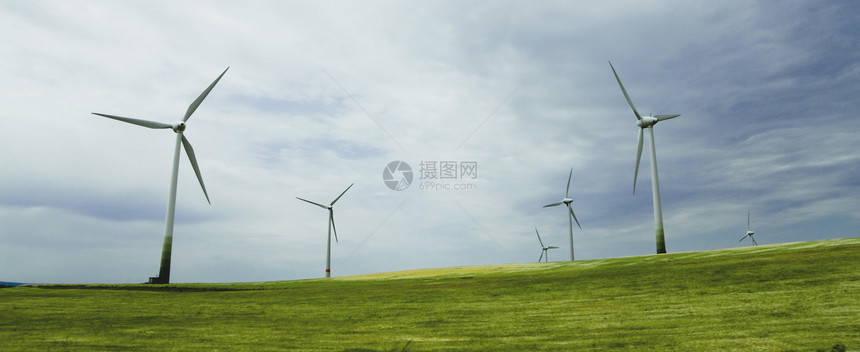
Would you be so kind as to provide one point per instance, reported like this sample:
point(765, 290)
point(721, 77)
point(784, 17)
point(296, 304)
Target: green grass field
point(785, 297)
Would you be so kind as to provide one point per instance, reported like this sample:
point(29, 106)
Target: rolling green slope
point(786, 297)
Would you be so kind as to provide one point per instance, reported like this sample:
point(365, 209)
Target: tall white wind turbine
point(648, 122)
point(178, 127)
point(545, 249)
point(750, 233)
point(331, 227)
point(571, 217)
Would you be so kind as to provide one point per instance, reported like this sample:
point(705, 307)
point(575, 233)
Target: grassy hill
point(785, 297)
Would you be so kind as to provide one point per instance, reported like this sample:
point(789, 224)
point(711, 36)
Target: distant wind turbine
point(178, 127)
point(545, 248)
point(331, 227)
point(648, 122)
point(750, 233)
point(571, 217)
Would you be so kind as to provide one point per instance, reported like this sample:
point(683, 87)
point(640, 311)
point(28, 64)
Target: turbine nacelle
point(647, 121)
point(750, 233)
point(567, 200)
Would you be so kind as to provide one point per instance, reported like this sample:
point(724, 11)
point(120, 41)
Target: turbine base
point(155, 280)
point(661, 241)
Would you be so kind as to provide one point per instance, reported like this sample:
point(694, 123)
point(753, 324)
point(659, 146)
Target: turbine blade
point(567, 193)
point(539, 240)
point(753, 241)
point(574, 216)
point(742, 238)
point(196, 103)
point(552, 247)
point(748, 220)
point(329, 232)
point(665, 117)
point(190, 152)
point(331, 218)
point(638, 157)
point(314, 203)
point(638, 117)
point(144, 123)
point(341, 195)
point(553, 204)
point(541, 255)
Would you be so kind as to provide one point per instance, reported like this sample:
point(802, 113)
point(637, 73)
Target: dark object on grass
point(836, 348)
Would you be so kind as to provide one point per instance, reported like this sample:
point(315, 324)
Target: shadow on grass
point(144, 287)
point(396, 349)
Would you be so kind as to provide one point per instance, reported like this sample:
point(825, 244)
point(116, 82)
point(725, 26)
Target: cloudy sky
point(323, 94)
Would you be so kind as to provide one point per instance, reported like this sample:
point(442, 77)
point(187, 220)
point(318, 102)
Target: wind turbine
point(648, 122)
point(178, 127)
point(545, 248)
point(750, 233)
point(572, 217)
point(331, 227)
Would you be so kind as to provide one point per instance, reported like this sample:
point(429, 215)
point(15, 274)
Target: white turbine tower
point(750, 233)
point(648, 122)
point(331, 226)
point(545, 248)
point(571, 217)
point(178, 127)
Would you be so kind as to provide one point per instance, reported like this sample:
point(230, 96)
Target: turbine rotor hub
point(179, 127)
point(567, 200)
